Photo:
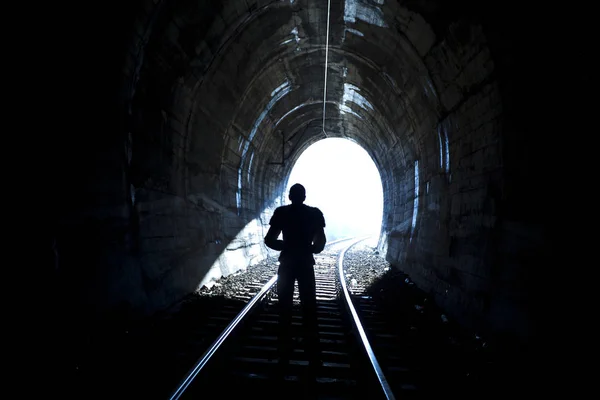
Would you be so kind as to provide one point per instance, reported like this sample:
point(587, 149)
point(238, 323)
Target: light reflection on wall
point(350, 95)
point(245, 250)
point(351, 30)
point(447, 142)
point(444, 148)
point(364, 10)
point(441, 147)
point(244, 145)
point(416, 200)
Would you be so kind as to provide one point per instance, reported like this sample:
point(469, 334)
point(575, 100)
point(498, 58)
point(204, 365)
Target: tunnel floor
point(150, 357)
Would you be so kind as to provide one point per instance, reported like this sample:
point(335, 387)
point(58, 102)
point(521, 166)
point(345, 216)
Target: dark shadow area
point(248, 365)
point(451, 359)
point(127, 356)
point(147, 359)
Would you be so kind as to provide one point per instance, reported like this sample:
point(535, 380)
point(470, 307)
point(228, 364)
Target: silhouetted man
point(303, 235)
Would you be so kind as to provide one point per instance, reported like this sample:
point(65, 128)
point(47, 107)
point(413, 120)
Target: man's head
point(297, 194)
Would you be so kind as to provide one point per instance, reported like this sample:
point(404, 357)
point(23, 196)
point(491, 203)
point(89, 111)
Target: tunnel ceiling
point(174, 188)
point(255, 70)
point(222, 97)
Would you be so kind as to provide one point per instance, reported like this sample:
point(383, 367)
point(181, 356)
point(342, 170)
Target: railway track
point(226, 343)
point(396, 342)
point(244, 358)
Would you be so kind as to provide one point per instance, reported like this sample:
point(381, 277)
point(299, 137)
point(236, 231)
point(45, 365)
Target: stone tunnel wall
point(449, 247)
point(164, 200)
point(196, 224)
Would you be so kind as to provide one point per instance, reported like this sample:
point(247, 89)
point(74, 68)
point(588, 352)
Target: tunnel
point(200, 109)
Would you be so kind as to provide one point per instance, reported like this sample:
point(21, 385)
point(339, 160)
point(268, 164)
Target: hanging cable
point(326, 56)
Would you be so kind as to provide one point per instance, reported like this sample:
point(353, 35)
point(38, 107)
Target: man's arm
point(271, 239)
point(319, 241)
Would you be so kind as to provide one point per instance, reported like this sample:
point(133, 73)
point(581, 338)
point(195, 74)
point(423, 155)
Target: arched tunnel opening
point(209, 104)
point(343, 182)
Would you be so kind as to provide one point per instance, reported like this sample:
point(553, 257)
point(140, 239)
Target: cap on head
point(297, 193)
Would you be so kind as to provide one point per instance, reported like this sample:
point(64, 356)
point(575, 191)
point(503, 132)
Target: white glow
point(280, 87)
point(250, 166)
point(352, 95)
point(441, 147)
point(342, 180)
point(444, 148)
point(243, 251)
point(447, 150)
point(345, 109)
point(362, 10)
point(416, 201)
point(296, 38)
point(295, 33)
point(355, 31)
point(289, 112)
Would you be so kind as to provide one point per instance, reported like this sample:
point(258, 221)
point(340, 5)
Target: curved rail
point(219, 341)
point(339, 240)
point(361, 331)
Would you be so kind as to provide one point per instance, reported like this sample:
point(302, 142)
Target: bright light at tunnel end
point(342, 181)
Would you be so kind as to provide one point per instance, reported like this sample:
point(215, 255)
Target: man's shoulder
point(281, 211)
point(288, 208)
point(314, 210)
point(316, 215)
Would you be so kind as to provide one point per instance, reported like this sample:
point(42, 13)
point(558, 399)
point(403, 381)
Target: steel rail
point(363, 336)
point(219, 341)
point(201, 363)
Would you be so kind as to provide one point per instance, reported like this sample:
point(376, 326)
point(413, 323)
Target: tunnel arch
point(353, 209)
point(196, 76)
point(406, 116)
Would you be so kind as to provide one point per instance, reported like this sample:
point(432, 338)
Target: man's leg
point(285, 294)
point(308, 296)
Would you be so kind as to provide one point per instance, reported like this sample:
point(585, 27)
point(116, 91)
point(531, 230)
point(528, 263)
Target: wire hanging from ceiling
point(326, 56)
